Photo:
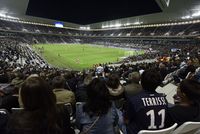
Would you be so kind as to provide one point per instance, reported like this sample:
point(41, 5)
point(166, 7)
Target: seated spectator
point(197, 75)
point(40, 115)
point(188, 108)
point(3, 78)
point(18, 80)
point(133, 87)
point(115, 88)
point(163, 70)
point(81, 91)
point(99, 70)
point(11, 100)
point(116, 91)
point(96, 116)
point(62, 95)
point(147, 109)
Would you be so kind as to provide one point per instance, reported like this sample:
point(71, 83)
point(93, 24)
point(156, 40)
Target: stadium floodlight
point(104, 26)
point(82, 28)
point(59, 24)
point(136, 23)
point(127, 24)
point(85, 28)
point(196, 14)
point(7, 16)
point(186, 17)
point(117, 25)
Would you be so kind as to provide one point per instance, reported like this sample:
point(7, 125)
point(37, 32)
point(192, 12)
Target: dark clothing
point(9, 101)
point(132, 89)
point(29, 122)
point(180, 114)
point(81, 93)
point(3, 121)
point(163, 73)
point(146, 110)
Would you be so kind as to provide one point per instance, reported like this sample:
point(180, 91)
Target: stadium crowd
point(36, 98)
point(125, 94)
point(164, 30)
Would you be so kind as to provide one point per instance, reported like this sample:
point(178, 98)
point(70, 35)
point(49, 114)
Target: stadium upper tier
point(179, 30)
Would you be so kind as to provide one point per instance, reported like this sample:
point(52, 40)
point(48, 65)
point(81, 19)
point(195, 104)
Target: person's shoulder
point(20, 117)
point(141, 93)
point(181, 109)
point(136, 98)
point(21, 114)
point(56, 90)
point(133, 87)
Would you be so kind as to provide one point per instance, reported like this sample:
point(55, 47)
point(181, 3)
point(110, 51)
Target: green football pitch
point(79, 56)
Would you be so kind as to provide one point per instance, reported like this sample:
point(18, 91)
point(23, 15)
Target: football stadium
point(100, 67)
point(81, 56)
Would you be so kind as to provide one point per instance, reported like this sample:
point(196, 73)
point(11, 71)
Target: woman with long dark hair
point(96, 116)
point(39, 115)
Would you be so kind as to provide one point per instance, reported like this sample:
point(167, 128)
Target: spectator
point(147, 109)
point(62, 95)
point(40, 113)
point(188, 108)
point(99, 70)
point(163, 70)
point(133, 87)
point(96, 116)
point(115, 88)
point(81, 91)
point(11, 100)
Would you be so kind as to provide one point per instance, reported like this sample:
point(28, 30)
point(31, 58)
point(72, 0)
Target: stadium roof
point(90, 11)
point(101, 13)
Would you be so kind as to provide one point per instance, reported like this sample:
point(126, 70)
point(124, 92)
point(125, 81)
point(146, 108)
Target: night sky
point(90, 11)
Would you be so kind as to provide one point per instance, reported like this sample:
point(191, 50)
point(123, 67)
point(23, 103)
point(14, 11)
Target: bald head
point(134, 77)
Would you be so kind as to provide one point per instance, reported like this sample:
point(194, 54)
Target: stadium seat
point(69, 108)
point(3, 120)
point(16, 109)
point(188, 128)
point(162, 131)
point(78, 103)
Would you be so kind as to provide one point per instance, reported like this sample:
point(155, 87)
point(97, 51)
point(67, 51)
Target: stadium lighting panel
point(196, 14)
point(7, 16)
point(117, 25)
point(85, 28)
point(186, 17)
point(127, 24)
point(59, 24)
